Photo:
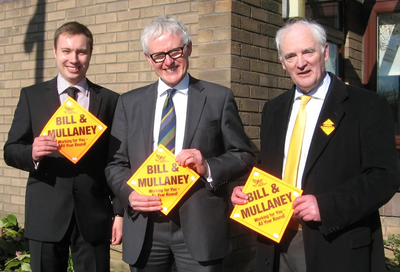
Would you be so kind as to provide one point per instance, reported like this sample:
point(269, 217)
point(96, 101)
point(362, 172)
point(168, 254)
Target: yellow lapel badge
point(328, 127)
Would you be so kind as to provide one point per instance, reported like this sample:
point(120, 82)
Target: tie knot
point(305, 99)
point(171, 92)
point(71, 91)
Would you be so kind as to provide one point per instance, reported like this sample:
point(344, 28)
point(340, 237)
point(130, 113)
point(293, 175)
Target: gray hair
point(164, 23)
point(316, 29)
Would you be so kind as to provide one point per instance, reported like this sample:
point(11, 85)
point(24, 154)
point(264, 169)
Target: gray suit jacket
point(214, 127)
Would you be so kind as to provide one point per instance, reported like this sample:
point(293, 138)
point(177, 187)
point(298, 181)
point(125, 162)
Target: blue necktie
point(168, 123)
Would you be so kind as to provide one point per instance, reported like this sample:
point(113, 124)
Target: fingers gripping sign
point(193, 159)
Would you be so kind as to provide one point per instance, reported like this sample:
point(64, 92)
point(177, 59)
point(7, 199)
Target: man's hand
point(238, 197)
point(43, 145)
point(306, 207)
point(116, 235)
point(193, 159)
point(144, 203)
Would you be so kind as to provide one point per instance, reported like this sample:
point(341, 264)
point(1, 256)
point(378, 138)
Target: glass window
point(388, 61)
point(332, 64)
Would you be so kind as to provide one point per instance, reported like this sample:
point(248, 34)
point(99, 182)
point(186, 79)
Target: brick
point(139, 4)
point(117, 6)
point(66, 4)
point(76, 12)
point(258, 66)
point(106, 18)
point(119, 26)
point(13, 13)
point(57, 15)
point(128, 57)
point(206, 63)
point(96, 9)
point(127, 77)
point(206, 8)
point(105, 58)
point(151, 12)
point(128, 15)
point(223, 47)
point(206, 35)
point(215, 21)
point(178, 8)
point(117, 47)
point(105, 78)
point(223, 34)
point(105, 38)
point(117, 68)
point(217, 76)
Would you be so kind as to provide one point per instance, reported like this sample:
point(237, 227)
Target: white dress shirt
point(82, 97)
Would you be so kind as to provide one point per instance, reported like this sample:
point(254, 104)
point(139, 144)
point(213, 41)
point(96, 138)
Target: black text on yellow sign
point(74, 128)
point(269, 206)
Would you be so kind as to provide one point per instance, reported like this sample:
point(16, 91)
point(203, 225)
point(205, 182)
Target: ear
point(54, 51)
point(189, 49)
point(283, 64)
point(326, 53)
point(149, 59)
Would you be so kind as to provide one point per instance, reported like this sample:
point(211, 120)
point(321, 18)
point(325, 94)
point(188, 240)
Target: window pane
point(332, 64)
point(388, 54)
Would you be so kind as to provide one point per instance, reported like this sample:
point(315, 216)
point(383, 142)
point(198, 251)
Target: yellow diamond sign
point(161, 176)
point(269, 207)
point(74, 128)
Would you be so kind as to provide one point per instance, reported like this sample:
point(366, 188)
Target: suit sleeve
point(238, 158)
point(18, 148)
point(378, 179)
point(118, 170)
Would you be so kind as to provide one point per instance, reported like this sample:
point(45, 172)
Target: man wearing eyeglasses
point(208, 137)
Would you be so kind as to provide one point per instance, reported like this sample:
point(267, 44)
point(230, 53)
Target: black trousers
point(53, 256)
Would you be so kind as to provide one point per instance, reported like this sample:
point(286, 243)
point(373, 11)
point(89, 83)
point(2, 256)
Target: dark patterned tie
point(71, 91)
point(168, 123)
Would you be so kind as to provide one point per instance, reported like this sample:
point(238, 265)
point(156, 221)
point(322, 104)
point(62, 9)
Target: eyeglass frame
point(167, 53)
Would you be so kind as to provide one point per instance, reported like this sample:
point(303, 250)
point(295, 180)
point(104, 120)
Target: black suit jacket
point(59, 188)
point(213, 126)
point(352, 172)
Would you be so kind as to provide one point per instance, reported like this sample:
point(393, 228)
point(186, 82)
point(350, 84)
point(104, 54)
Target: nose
point(301, 62)
point(168, 60)
point(73, 57)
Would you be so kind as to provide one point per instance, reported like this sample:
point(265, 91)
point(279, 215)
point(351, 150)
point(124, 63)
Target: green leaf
point(26, 267)
point(12, 218)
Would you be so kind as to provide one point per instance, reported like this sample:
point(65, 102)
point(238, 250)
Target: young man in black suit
point(67, 205)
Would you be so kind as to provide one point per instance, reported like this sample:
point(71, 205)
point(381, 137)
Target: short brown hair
point(74, 28)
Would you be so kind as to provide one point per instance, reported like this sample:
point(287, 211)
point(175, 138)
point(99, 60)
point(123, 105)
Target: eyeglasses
point(174, 53)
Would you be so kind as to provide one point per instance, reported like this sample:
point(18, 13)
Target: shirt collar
point(319, 92)
point(62, 85)
point(182, 86)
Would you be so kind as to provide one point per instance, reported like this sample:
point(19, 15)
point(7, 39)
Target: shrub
point(14, 247)
point(393, 244)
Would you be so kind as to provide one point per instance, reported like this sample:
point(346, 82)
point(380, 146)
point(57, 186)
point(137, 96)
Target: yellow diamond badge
point(328, 127)
point(161, 176)
point(269, 207)
point(74, 128)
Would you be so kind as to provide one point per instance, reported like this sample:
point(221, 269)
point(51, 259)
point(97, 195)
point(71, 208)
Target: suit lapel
point(51, 96)
point(280, 114)
point(147, 112)
point(333, 110)
point(195, 106)
point(94, 99)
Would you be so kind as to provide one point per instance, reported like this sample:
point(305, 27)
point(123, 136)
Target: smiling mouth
point(172, 69)
point(73, 69)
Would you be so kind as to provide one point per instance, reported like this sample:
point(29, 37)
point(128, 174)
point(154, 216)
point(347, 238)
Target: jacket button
point(266, 261)
point(74, 192)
